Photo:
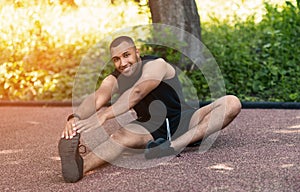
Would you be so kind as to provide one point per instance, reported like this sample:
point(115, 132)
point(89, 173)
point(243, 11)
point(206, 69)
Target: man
point(165, 124)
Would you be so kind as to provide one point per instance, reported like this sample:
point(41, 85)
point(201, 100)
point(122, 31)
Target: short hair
point(117, 41)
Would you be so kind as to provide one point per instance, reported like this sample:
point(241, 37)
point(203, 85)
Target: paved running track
point(259, 151)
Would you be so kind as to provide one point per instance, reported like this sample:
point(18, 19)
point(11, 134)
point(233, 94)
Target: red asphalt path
point(259, 151)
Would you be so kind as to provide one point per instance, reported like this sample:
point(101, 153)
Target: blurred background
point(256, 44)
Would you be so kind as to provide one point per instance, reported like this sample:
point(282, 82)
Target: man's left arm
point(153, 73)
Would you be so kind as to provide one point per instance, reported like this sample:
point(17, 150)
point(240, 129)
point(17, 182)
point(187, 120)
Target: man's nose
point(124, 61)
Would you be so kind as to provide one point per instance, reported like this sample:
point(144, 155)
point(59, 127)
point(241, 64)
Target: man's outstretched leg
point(132, 137)
point(72, 168)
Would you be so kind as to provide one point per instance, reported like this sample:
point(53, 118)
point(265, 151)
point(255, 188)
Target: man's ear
point(137, 51)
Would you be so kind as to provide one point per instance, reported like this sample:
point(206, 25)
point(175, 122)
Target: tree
point(179, 13)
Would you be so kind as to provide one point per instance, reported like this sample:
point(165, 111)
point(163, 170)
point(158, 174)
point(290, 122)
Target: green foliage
point(259, 61)
point(40, 84)
point(42, 43)
point(39, 59)
point(201, 80)
point(162, 43)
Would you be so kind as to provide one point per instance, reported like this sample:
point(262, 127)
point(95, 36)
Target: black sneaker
point(159, 148)
point(71, 161)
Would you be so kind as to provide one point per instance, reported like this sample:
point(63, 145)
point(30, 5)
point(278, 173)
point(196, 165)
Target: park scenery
point(255, 44)
point(55, 53)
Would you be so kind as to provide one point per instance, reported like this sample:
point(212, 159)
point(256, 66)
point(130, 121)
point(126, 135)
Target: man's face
point(125, 58)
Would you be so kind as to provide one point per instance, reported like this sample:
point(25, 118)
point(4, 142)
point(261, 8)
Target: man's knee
point(233, 105)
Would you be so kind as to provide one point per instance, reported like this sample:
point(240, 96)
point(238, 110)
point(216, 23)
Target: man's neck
point(139, 67)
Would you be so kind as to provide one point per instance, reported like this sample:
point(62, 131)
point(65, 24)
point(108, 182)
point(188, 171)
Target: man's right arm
point(99, 99)
point(91, 104)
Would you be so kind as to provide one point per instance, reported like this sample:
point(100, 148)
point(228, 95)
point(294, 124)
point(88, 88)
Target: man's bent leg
point(223, 111)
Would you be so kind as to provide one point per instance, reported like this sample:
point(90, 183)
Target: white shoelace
point(168, 130)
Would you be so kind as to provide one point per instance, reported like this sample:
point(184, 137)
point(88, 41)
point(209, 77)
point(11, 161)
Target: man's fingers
point(65, 133)
point(78, 126)
point(85, 125)
point(68, 132)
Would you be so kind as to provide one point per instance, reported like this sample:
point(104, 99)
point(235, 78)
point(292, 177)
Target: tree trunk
point(179, 13)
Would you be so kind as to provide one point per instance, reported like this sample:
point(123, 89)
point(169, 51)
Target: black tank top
point(168, 92)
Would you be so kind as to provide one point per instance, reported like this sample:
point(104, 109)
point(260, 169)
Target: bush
point(40, 84)
point(259, 61)
point(39, 58)
point(42, 43)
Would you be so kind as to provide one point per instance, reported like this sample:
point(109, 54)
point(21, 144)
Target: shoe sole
point(71, 161)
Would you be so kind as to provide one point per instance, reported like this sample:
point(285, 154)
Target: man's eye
point(126, 54)
point(115, 60)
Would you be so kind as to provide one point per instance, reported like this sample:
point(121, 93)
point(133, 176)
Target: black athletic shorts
point(178, 125)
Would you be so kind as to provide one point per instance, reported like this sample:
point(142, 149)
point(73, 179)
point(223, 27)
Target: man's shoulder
point(149, 57)
point(152, 59)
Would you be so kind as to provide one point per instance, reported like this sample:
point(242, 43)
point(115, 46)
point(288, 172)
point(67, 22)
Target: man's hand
point(93, 122)
point(69, 131)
